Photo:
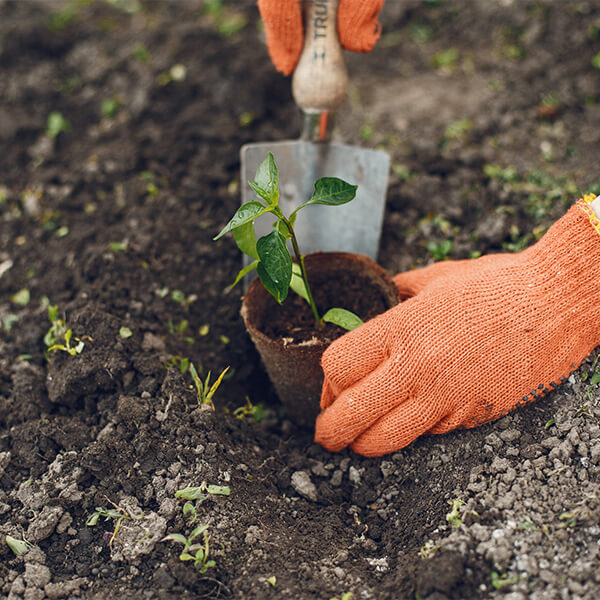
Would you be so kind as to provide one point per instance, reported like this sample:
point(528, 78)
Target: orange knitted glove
point(358, 28)
point(474, 339)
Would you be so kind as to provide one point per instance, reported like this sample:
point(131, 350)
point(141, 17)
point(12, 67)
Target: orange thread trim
point(323, 124)
point(589, 211)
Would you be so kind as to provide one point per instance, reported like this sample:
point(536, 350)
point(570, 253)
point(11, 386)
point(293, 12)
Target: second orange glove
point(358, 28)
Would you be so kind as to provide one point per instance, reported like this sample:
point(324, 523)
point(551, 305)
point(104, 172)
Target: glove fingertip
point(325, 435)
point(358, 26)
point(284, 32)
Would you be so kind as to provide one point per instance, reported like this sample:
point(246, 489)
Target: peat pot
point(285, 337)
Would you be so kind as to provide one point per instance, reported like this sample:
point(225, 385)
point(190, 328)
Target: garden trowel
point(319, 86)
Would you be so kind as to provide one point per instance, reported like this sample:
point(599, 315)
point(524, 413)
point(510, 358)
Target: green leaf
point(218, 490)
point(244, 214)
point(282, 228)
point(245, 239)
point(297, 282)
point(17, 546)
point(190, 493)
point(175, 537)
point(196, 532)
point(53, 313)
point(214, 387)
point(243, 272)
point(260, 192)
point(92, 519)
point(275, 263)
point(125, 332)
point(332, 191)
point(595, 378)
point(56, 124)
point(267, 177)
point(342, 317)
point(268, 283)
point(21, 298)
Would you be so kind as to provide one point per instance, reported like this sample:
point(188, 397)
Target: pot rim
point(366, 264)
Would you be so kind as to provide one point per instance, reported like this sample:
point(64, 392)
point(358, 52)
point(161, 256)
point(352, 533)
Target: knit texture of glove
point(358, 28)
point(474, 339)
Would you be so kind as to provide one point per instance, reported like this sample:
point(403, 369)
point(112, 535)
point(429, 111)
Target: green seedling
point(198, 553)
point(440, 250)
point(594, 378)
point(421, 33)
point(256, 411)
point(189, 510)
point(272, 258)
point(56, 124)
point(199, 492)
point(17, 546)
point(457, 130)
point(117, 514)
point(117, 246)
point(140, 52)
point(453, 517)
point(527, 524)
point(21, 298)
point(66, 347)
point(204, 389)
point(344, 596)
point(59, 336)
point(499, 582)
point(427, 550)
point(179, 363)
point(584, 411)
point(110, 107)
point(180, 329)
point(125, 332)
point(445, 59)
point(226, 22)
point(179, 297)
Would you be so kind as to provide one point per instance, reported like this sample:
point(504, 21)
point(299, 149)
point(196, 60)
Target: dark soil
point(294, 318)
point(112, 221)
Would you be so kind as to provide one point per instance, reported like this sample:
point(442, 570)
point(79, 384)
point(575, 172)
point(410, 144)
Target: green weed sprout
point(196, 552)
point(256, 411)
point(17, 546)
point(453, 517)
point(204, 389)
point(59, 336)
point(117, 514)
point(272, 258)
point(197, 492)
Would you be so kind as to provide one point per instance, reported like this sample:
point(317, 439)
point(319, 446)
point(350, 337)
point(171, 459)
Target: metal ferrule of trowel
point(319, 86)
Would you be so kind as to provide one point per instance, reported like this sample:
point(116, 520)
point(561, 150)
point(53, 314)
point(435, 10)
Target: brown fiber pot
point(295, 368)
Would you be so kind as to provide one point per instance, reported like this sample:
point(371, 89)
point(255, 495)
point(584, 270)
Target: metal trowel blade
point(352, 227)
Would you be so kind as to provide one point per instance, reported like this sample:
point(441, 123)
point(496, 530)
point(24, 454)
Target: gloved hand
point(475, 339)
point(358, 28)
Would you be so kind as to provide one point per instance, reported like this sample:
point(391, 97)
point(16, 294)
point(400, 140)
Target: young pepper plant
point(272, 258)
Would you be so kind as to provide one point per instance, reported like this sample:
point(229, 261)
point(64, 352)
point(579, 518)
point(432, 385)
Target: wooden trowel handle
point(320, 79)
